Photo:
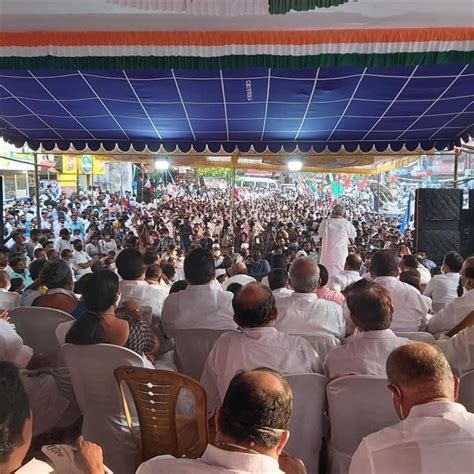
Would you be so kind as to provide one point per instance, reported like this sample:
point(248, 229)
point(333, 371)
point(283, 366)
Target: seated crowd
point(271, 316)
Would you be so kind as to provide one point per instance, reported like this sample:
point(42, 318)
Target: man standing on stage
point(335, 234)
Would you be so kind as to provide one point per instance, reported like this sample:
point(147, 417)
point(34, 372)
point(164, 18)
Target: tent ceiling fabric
point(351, 109)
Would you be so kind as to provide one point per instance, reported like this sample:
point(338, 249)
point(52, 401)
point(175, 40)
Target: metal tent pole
point(457, 152)
point(37, 191)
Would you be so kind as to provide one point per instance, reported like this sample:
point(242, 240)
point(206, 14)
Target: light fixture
point(295, 165)
point(162, 164)
point(219, 159)
point(250, 161)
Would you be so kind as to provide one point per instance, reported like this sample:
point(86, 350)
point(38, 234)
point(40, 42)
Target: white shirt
point(240, 279)
point(435, 438)
point(459, 350)
point(214, 460)
point(281, 293)
point(442, 289)
point(144, 294)
point(8, 299)
point(335, 234)
point(305, 313)
point(252, 348)
point(79, 258)
point(61, 244)
point(198, 307)
point(344, 279)
point(106, 247)
point(12, 348)
point(425, 275)
point(363, 354)
point(411, 308)
point(452, 314)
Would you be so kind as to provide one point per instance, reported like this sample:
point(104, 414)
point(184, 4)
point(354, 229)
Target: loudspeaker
point(437, 222)
point(467, 231)
point(471, 199)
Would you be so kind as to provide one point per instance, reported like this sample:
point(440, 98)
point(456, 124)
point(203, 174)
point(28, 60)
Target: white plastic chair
point(37, 327)
point(358, 405)
point(419, 336)
point(308, 423)
point(192, 346)
point(98, 396)
point(9, 300)
point(321, 343)
point(466, 391)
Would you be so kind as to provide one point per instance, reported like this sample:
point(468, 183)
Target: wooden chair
point(162, 431)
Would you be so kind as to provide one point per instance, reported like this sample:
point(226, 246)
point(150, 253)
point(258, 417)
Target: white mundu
point(435, 438)
point(335, 233)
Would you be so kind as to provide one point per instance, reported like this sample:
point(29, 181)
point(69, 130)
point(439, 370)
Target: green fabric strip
point(280, 7)
point(237, 61)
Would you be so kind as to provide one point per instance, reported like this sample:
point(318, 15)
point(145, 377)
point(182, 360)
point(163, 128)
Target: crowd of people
point(269, 270)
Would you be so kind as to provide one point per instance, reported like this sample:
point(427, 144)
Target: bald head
point(304, 275)
point(421, 371)
point(256, 409)
point(4, 279)
point(353, 262)
point(239, 268)
point(254, 306)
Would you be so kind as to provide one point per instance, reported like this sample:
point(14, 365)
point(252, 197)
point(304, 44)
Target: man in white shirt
point(81, 261)
point(350, 274)
point(8, 299)
point(335, 234)
point(239, 275)
point(442, 289)
point(278, 282)
point(107, 244)
point(16, 433)
point(411, 262)
point(202, 305)
point(133, 287)
point(366, 353)
point(63, 242)
point(436, 435)
point(455, 312)
point(259, 343)
point(410, 307)
point(303, 312)
point(252, 430)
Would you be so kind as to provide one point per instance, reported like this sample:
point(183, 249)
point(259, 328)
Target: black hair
point(255, 313)
point(411, 277)
point(323, 275)
point(178, 286)
point(99, 292)
point(150, 257)
point(234, 287)
point(15, 284)
point(384, 263)
point(199, 267)
point(56, 274)
point(168, 270)
point(153, 270)
point(130, 264)
point(453, 261)
point(15, 260)
point(278, 278)
point(14, 409)
point(278, 261)
point(253, 412)
point(35, 267)
point(410, 261)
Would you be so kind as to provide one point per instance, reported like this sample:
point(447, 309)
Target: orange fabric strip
point(221, 38)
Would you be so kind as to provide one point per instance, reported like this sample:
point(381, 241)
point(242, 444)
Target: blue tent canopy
point(351, 109)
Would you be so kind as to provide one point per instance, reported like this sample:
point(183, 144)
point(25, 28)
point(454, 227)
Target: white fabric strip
point(236, 49)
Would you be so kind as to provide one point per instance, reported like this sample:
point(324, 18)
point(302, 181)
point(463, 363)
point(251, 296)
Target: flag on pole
point(406, 218)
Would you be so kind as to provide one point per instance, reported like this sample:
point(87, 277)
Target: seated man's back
point(201, 305)
point(366, 353)
point(410, 307)
point(303, 312)
point(436, 435)
point(258, 344)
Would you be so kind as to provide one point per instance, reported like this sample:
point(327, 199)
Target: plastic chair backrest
point(308, 424)
point(419, 336)
point(37, 327)
point(321, 343)
point(466, 391)
point(9, 300)
point(192, 346)
point(155, 394)
point(358, 405)
point(92, 373)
